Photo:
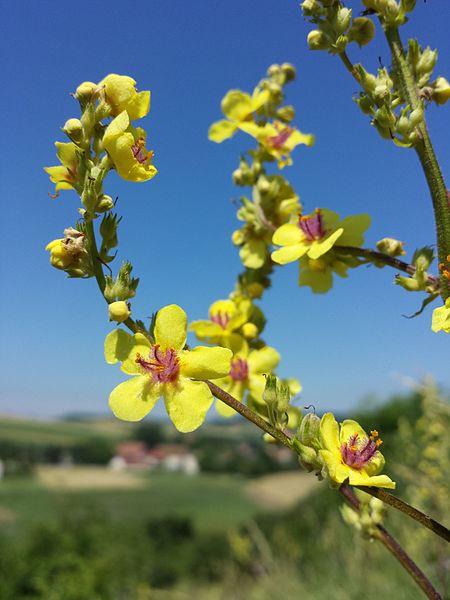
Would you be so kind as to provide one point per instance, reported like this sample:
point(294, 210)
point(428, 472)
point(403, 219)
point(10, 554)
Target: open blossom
point(120, 93)
point(349, 453)
point(126, 148)
point(278, 139)
point(315, 234)
point(247, 371)
point(225, 317)
point(318, 273)
point(165, 369)
point(441, 318)
point(238, 107)
point(66, 175)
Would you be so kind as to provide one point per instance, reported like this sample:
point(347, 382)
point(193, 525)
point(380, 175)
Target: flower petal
point(318, 248)
point(336, 470)
point(237, 105)
point(170, 327)
point(187, 403)
point(207, 329)
point(118, 345)
point(288, 234)
point(264, 360)
point(361, 478)
point(253, 253)
point(329, 434)
point(134, 398)
point(288, 254)
point(141, 345)
point(349, 428)
point(221, 130)
point(206, 363)
point(354, 228)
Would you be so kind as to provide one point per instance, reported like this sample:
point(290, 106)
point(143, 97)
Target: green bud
point(408, 283)
point(317, 40)
point(422, 258)
point(289, 71)
point(263, 185)
point(238, 237)
point(105, 203)
point(286, 113)
point(362, 31)
point(273, 71)
point(341, 44)
point(73, 128)
point(426, 62)
point(238, 177)
point(403, 125)
point(365, 104)
point(308, 457)
point(309, 430)
point(391, 246)
point(311, 8)
point(123, 287)
point(342, 20)
point(416, 117)
point(385, 117)
point(408, 5)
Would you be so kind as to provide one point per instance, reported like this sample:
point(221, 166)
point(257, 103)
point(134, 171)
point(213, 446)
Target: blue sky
point(176, 229)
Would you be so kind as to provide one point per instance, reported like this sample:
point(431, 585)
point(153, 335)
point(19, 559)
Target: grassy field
point(213, 502)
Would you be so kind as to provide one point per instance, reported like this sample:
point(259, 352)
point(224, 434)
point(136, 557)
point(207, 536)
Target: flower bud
point(263, 185)
point(118, 311)
point(238, 237)
point(427, 61)
point(286, 113)
point(408, 283)
point(238, 177)
point(73, 128)
point(309, 430)
point(403, 125)
point(362, 31)
point(249, 330)
point(416, 117)
point(289, 71)
point(343, 18)
point(408, 5)
point(273, 70)
point(441, 90)
point(317, 40)
point(105, 203)
point(391, 246)
point(365, 104)
point(85, 92)
point(270, 393)
point(341, 43)
point(311, 8)
point(255, 290)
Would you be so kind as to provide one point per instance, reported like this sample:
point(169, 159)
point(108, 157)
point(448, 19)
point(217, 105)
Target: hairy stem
point(394, 547)
point(425, 152)
point(390, 261)
point(409, 510)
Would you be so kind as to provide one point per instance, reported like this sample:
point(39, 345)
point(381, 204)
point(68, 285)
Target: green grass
point(213, 502)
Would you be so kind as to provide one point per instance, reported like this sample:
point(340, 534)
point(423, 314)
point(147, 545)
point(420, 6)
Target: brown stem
point(385, 259)
point(409, 510)
point(243, 410)
point(394, 547)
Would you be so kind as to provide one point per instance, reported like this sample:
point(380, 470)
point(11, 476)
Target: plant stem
point(99, 274)
point(409, 510)
point(385, 259)
point(243, 410)
point(394, 547)
point(425, 152)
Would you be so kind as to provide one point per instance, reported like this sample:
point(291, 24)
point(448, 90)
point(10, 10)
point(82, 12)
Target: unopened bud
point(255, 290)
point(73, 128)
point(317, 40)
point(361, 31)
point(85, 92)
point(343, 18)
point(273, 70)
point(427, 61)
point(105, 203)
point(286, 113)
point(249, 330)
point(441, 90)
point(391, 246)
point(118, 311)
point(309, 430)
point(238, 237)
point(289, 71)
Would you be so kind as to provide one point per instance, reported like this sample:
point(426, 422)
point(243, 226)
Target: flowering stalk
point(425, 152)
point(393, 546)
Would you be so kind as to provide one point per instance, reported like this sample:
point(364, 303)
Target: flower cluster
point(341, 453)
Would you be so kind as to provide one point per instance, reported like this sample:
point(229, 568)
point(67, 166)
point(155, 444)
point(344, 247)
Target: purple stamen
point(239, 370)
point(312, 226)
point(277, 141)
point(162, 365)
point(221, 319)
point(357, 453)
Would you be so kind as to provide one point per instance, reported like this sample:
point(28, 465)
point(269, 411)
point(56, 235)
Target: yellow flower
point(60, 257)
point(315, 234)
point(120, 93)
point(126, 147)
point(225, 317)
point(349, 453)
point(318, 273)
point(278, 139)
point(441, 318)
point(65, 175)
point(165, 369)
point(247, 371)
point(238, 107)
